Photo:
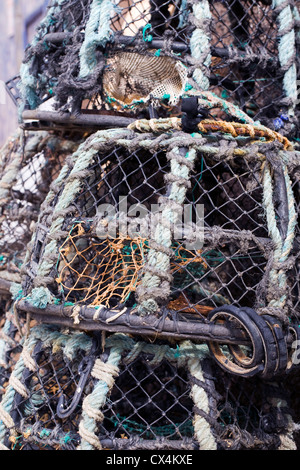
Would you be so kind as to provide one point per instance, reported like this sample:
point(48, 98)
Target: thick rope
point(29, 83)
point(191, 356)
point(5, 341)
point(296, 15)
point(206, 126)
point(97, 33)
point(15, 386)
point(200, 42)
point(202, 427)
point(156, 280)
point(287, 49)
point(105, 374)
point(12, 168)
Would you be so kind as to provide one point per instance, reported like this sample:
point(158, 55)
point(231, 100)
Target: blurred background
point(18, 20)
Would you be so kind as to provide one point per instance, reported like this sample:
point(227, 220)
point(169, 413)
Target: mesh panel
point(247, 25)
point(132, 77)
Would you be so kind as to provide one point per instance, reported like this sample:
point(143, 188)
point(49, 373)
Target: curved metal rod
point(84, 370)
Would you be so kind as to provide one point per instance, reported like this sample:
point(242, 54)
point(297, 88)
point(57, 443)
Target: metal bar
point(58, 38)
point(147, 444)
point(177, 46)
point(281, 199)
point(91, 120)
point(10, 87)
point(93, 319)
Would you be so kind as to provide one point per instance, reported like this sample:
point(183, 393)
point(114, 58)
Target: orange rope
point(209, 125)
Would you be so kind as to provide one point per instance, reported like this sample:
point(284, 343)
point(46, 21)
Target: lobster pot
point(89, 59)
point(29, 163)
point(149, 396)
point(155, 232)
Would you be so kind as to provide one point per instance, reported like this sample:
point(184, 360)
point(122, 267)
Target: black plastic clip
point(192, 115)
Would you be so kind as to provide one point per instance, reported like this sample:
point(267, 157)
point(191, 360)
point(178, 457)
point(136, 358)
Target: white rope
point(105, 372)
point(202, 428)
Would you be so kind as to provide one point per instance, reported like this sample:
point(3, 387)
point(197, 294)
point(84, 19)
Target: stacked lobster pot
point(157, 301)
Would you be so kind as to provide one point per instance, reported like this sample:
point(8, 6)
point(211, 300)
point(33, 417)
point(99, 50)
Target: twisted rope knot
point(208, 125)
point(28, 360)
point(18, 386)
point(104, 371)
point(89, 437)
point(200, 41)
point(202, 421)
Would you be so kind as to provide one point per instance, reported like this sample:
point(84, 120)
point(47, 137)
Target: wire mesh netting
point(155, 302)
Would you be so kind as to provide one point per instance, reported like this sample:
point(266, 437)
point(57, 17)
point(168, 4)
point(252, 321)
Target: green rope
point(200, 42)
point(29, 84)
point(147, 37)
point(97, 33)
point(185, 429)
point(287, 49)
point(156, 280)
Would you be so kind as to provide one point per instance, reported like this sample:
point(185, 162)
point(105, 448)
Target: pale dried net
point(132, 78)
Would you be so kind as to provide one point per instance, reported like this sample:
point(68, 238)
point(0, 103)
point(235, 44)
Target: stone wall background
point(18, 20)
